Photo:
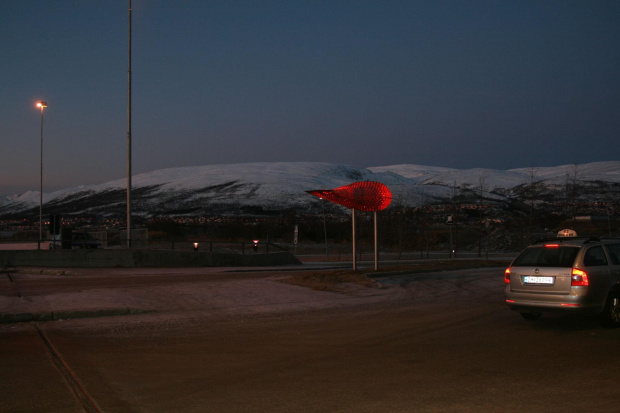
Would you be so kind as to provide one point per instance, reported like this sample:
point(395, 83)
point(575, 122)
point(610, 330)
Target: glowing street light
point(41, 105)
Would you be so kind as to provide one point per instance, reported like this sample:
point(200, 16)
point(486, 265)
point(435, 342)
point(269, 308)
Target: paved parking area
point(245, 342)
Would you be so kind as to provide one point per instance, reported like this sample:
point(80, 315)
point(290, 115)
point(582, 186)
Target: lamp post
point(129, 133)
point(42, 105)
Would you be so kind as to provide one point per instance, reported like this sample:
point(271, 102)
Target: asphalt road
point(208, 341)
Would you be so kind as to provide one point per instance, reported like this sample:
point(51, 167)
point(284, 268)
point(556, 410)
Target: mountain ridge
point(281, 185)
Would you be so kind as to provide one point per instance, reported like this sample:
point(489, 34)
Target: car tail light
point(552, 245)
point(579, 278)
point(507, 276)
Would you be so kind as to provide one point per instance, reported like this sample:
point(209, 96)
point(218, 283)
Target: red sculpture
point(366, 196)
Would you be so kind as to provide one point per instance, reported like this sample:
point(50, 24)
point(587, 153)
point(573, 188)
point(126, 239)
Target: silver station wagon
point(566, 275)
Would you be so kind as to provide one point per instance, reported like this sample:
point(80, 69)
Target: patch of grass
point(341, 280)
point(439, 265)
point(330, 280)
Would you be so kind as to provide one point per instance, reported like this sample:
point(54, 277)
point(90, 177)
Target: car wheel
point(610, 317)
point(531, 316)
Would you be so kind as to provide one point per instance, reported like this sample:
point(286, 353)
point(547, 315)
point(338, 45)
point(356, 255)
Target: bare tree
point(573, 175)
point(532, 193)
point(400, 227)
point(482, 187)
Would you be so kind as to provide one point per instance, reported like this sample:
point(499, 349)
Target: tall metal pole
point(451, 244)
point(129, 136)
point(41, 105)
point(376, 244)
point(324, 224)
point(353, 239)
point(325, 233)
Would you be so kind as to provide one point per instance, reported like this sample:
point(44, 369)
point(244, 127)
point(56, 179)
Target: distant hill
point(241, 188)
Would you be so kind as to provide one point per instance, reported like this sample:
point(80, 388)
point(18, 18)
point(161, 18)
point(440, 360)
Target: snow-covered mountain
point(235, 188)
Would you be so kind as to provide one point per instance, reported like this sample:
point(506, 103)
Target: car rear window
point(541, 256)
point(594, 257)
point(614, 249)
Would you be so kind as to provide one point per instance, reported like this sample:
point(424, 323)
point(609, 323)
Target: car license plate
point(532, 279)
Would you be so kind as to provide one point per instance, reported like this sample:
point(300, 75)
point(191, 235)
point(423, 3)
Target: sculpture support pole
point(353, 238)
point(376, 245)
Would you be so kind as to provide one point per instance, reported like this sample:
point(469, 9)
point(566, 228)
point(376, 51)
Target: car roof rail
point(578, 240)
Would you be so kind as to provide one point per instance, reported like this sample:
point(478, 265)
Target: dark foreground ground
point(210, 340)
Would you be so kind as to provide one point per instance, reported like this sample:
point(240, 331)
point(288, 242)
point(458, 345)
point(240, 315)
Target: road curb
point(8, 318)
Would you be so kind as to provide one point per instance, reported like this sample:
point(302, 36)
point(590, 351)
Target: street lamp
point(42, 105)
point(129, 134)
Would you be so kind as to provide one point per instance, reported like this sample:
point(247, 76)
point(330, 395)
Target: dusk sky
point(464, 84)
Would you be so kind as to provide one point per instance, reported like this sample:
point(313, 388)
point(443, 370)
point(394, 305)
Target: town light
point(42, 105)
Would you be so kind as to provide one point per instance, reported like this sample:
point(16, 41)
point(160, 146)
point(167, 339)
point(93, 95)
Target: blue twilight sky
point(458, 83)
